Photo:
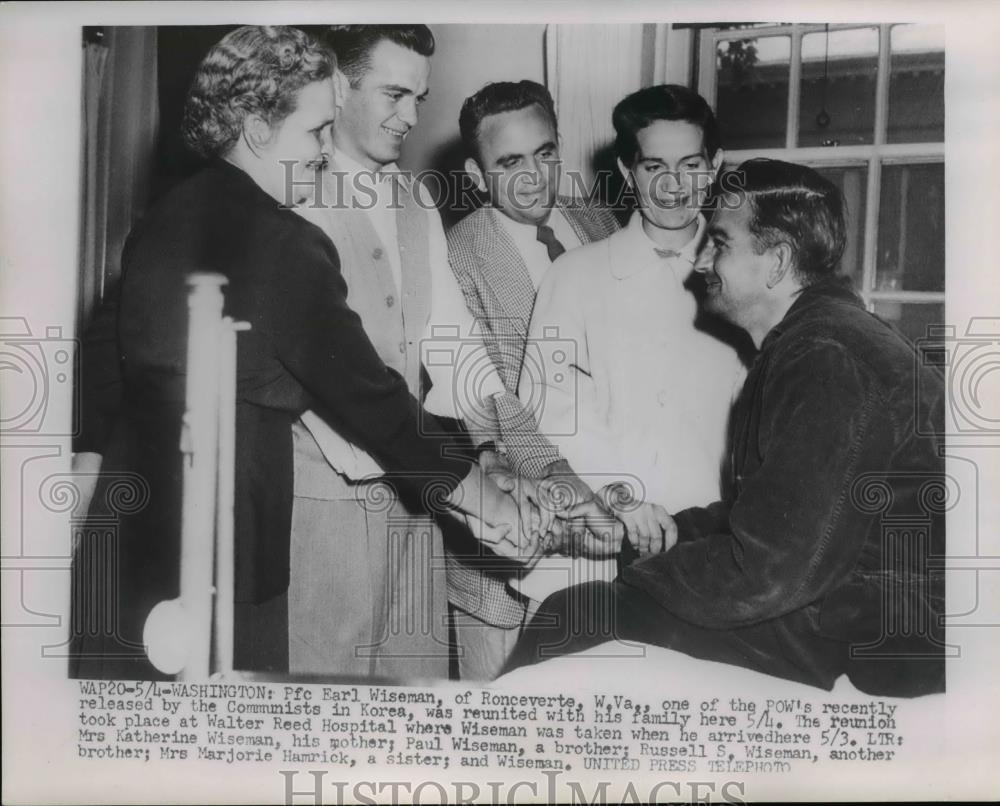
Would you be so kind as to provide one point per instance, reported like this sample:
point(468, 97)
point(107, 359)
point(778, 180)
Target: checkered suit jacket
point(500, 295)
point(496, 283)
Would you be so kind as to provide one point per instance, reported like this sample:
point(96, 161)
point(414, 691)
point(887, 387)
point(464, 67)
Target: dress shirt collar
point(526, 233)
point(524, 237)
point(352, 168)
point(641, 250)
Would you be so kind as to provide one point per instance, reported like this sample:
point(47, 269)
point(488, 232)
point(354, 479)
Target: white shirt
point(650, 394)
point(534, 253)
point(628, 389)
point(453, 352)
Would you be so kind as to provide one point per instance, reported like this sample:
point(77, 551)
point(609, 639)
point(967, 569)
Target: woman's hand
point(505, 519)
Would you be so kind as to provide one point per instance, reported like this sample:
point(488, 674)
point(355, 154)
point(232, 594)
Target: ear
point(781, 265)
point(625, 172)
point(256, 132)
point(472, 169)
point(340, 87)
point(716, 163)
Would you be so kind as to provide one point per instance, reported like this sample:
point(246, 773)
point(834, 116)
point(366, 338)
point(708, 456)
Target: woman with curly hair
point(260, 108)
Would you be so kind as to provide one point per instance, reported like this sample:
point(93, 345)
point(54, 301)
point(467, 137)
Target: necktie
point(552, 244)
point(666, 253)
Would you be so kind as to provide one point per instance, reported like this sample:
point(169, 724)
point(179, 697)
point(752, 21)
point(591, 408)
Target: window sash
point(875, 155)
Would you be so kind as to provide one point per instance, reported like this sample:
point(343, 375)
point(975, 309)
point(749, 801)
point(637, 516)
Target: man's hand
point(563, 488)
point(524, 540)
point(649, 527)
point(501, 540)
point(508, 525)
point(583, 523)
point(593, 530)
point(530, 497)
point(491, 461)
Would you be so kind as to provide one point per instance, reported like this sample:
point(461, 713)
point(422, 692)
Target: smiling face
point(379, 112)
point(519, 163)
point(293, 151)
point(671, 173)
point(736, 274)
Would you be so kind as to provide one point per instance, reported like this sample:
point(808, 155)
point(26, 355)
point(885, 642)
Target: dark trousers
point(260, 639)
point(584, 616)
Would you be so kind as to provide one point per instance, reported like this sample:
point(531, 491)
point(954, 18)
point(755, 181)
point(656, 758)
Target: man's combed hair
point(663, 102)
point(252, 70)
point(354, 44)
point(793, 204)
point(498, 97)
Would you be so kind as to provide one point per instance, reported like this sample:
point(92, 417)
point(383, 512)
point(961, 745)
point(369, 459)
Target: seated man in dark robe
point(820, 560)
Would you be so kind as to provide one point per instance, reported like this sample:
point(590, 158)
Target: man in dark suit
point(500, 253)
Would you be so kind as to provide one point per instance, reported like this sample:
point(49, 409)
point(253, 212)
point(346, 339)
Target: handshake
point(523, 518)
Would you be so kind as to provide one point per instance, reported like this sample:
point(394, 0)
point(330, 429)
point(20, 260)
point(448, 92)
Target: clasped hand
point(565, 516)
point(596, 523)
point(505, 512)
point(522, 518)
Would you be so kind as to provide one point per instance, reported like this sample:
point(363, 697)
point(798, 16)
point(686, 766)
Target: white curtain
point(120, 124)
point(589, 68)
point(95, 180)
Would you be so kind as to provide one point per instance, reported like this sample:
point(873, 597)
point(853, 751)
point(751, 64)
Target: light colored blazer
point(496, 283)
point(394, 320)
point(500, 296)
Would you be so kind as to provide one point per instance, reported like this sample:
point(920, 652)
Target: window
point(864, 105)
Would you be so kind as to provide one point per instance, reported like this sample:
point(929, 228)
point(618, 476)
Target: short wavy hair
point(793, 204)
point(498, 97)
point(252, 70)
point(662, 102)
point(354, 44)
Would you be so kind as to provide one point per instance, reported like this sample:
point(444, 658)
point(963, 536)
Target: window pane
point(916, 84)
point(916, 320)
point(852, 181)
point(751, 98)
point(837, 102)
point(741, 26)
point(911, 228)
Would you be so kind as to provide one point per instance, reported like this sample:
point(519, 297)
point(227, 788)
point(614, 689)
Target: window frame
point(875, 155)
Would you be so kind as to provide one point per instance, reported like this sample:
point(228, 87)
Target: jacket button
point(390, 301)
point(377, 254)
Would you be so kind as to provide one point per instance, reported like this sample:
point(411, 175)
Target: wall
point(467, 57)
point(118, 154)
